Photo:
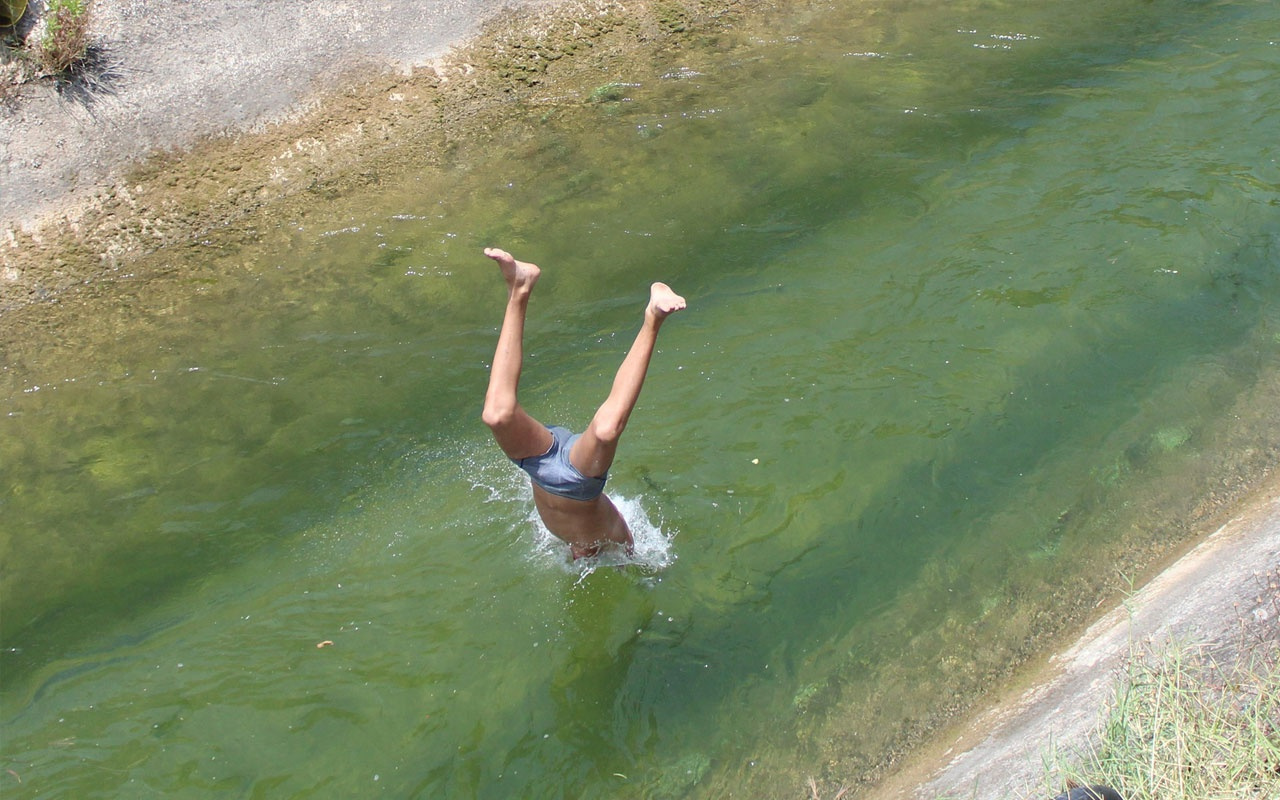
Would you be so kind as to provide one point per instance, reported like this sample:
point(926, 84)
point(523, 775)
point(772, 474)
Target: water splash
point(653, 550)
point(507, 487)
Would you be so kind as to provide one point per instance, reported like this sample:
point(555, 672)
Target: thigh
point(523, 436)
point(591, 455)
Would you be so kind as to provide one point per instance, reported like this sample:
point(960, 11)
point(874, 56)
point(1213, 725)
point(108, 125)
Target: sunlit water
point(963, 279)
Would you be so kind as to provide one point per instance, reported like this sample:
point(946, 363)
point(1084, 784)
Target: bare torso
point(585, 524)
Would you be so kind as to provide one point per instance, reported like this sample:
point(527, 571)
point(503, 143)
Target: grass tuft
point(65, 43)
point(1185, 725)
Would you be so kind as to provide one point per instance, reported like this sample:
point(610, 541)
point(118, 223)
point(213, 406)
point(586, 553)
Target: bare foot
point(663, 301)
point(518, 274)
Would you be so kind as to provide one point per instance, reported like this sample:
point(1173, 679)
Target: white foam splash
point(653, 550)
point(504, 486)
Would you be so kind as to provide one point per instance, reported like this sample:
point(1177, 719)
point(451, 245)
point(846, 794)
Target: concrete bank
point(169, 74)
point(1217, 595)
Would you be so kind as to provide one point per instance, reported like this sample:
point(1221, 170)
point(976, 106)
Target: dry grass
point(1193, 722)
point(57, 46)
point(66, 36)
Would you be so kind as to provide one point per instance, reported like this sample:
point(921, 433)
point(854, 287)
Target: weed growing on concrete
point(1185, 725)
point(66, 35)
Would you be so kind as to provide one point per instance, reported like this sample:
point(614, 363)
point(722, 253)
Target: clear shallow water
point(963, 281)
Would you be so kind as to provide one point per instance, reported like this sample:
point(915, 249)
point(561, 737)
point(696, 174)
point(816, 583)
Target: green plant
point(11, 12)
point(1185, 726)
point(66, 35)
point(608, 93)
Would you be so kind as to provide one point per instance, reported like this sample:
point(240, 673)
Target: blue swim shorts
point(553, 472)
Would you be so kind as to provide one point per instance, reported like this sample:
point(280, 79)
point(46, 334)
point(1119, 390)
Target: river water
point(972, 286)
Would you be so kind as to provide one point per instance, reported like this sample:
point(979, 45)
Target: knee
point(497, 416)
point(608, 431)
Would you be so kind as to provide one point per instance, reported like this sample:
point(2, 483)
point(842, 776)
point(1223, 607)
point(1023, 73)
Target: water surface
point(966, 282)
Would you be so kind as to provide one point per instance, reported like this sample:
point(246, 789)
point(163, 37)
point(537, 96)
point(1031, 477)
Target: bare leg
point(593, 452)
point(518, 434)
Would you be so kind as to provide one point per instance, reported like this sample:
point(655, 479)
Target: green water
point(965, 282)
